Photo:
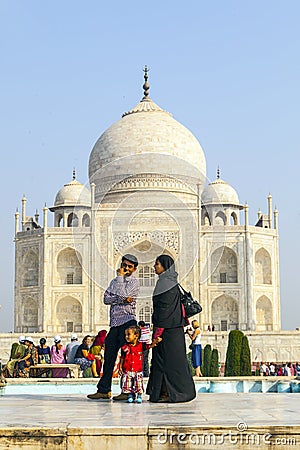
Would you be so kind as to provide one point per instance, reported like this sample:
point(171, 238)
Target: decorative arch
point(206, 220)
point(146, 251)
point(225, 313)
point(205, 217)
point(234, 218)
point(258, 355)
point(30, 269)
point(30, 315)
point(263, 270)
point(69, 267)
point(272, 355)
point(59, 220)
point(224, 266)
point(86, 221)
point(264, 314)
point(69, 315)
point(220, 218)
point(72, 220)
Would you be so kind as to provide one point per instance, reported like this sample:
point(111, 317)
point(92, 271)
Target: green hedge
point(214, 364)
point(238, 357)
point(245, 357)
point(206, 360)
point(233, 354)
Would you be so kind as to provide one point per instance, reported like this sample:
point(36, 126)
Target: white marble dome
point(147, 140)
point(73, 194)
point(220, 192)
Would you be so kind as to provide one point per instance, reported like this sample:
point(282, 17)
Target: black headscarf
point(167, 312)
point(167, 262)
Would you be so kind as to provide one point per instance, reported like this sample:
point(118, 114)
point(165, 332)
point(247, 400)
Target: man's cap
point(21, 339)
point(131, 258)
point(74, 337)
point(29, 339)
point(57, 338)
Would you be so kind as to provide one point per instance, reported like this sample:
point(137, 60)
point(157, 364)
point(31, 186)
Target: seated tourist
point(71, 349)
point(29, 359)
point(17, 353)
point(43, 352)
point(97, 348)
point(57, 356)
point(43, 358)
point(84, 358)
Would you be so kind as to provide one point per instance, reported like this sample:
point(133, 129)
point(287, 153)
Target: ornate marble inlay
point(168, 239)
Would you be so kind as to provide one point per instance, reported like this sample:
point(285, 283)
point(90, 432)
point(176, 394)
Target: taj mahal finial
point(218, 172)
point(74, 174)
point(146, 85)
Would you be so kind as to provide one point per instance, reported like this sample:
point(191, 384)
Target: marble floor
point(74, 422)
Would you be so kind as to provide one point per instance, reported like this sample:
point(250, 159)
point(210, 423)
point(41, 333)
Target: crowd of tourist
point(25, 355)
point(89, 354)
point(287, 369)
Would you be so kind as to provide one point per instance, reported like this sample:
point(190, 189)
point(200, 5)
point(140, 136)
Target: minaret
point(246, 209)
point(270, 210)
point(276, 219)
point(24, 200)
point(45, 211)
point(17, 216)
point(248, 266)
point(259, 213)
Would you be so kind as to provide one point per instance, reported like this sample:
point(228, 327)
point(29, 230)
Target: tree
point(206, 360)
point(233, 354)
point(245, 357)
point(214, 364)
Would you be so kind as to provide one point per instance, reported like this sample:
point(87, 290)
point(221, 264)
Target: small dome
point(73, 194)
point(220, 192)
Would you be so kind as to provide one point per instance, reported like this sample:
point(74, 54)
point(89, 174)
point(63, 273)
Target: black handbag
point(190, 305)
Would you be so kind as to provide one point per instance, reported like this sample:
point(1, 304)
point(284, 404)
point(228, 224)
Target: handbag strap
point(183, 291)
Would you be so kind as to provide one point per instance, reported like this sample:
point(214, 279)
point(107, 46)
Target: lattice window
point(70, 278)
point(146, 276)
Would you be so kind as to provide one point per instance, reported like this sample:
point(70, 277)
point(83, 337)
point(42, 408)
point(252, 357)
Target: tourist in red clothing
point(131, 364)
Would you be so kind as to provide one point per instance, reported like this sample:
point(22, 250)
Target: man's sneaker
point(100, 395)
point(121, 397)
point(139, 398)
point(130, 398)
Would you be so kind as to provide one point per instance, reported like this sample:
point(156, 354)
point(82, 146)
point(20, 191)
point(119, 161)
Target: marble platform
point(211, 421)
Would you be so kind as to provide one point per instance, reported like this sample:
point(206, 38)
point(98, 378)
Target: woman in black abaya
point(170, 378)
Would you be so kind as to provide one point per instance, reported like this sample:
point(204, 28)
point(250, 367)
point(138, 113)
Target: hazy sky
point(227, 70)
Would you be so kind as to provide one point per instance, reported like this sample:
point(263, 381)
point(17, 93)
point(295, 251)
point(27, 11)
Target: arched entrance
point(225, 314)
point(69, 315)
point(264, 314)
